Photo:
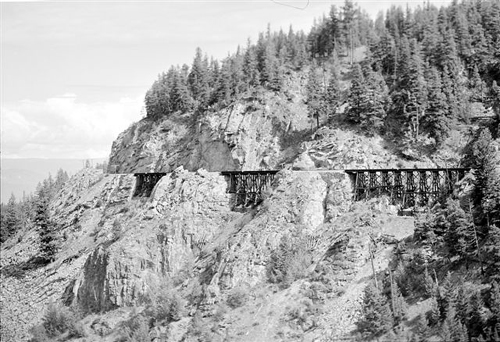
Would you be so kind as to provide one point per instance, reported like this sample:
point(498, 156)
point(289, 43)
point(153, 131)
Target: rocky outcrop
point(189, 222)
point(259, 131)
point(82, 214)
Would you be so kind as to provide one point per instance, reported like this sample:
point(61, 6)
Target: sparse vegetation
point(59, 322)
point(237, 297)
point(290, 261)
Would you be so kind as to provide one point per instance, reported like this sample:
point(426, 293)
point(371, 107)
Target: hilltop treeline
point(426, 69)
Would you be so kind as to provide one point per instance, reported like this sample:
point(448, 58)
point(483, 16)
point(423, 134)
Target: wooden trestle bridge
point(405, 187)
point(145, 183)
point(248, 185)
point(408, 187)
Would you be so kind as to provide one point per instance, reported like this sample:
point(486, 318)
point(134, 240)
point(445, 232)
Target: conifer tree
point(436, 120)
point(198, 79)
point(333, 95)
point(452, 329)
point(357, 94)
point(376, 317)
point(224, 91)
point(460, 231)
point(492, 253)
point(250, 66)
point(494, 303)
point(422, 330)
point(157, 100)
point(179, 96)
point(400, 307)
point(237, 76)
point(10, 218)
point(446, 297)
point(46, 228)
point(476, 322)
point(433, 315)
point(315, 95)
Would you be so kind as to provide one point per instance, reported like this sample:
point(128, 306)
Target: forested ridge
point(425, 71)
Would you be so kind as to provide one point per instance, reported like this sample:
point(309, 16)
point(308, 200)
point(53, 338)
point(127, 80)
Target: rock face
point(257, 132)
point(189, 221)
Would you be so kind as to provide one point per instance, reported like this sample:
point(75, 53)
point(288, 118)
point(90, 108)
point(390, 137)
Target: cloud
point(62, 127)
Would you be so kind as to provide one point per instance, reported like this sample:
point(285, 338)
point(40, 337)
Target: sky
point(74, 74)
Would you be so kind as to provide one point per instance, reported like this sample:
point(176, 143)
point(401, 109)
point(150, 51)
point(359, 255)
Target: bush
point(238, 297)
point(290, 261)
point(167, 305)
point(117, 232)
point(58, 320)
point(136, 330)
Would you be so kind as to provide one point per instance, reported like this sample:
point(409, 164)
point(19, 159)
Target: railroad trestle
point(145, 183)
point(248, 185)
point(407, 187)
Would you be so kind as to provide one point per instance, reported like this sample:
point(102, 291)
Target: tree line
point(33, 209)
point(424, 69)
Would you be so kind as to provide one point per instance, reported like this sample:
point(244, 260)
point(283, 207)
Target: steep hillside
point(190, 263)
point(117, 252)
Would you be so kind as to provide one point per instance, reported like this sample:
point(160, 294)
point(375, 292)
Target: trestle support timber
point(406, 187)
point(145, 183)
point(248, 185)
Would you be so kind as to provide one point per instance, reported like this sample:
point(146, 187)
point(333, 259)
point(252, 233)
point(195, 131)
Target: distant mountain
point(23, 175)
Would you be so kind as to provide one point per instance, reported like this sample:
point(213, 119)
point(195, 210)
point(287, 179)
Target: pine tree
point(180, 98)
point(491, 251)
point(270, 74)
point(157, 100)
point(477, 86)
point(422, 330)
point(316, 105)
point(357, 94)
point(494, 303)
point(476, 322)
point(198, 79)
point(460, 233)
point(446, 297)
point(333, 95)
point(224, 91)
point(375, 102)
point(46, 228)
point(376, 317)
point(453, 330)
point(436, 121)
point(433, 315)
point(238, 85)
point(10, 218)
point(250, 66)
point(399, 305)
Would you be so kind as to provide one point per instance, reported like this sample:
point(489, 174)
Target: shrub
point(166, 305)
point(116, 230)
point(238, 297)
point(290, 261)
point(58, 320)
point(136, 330)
